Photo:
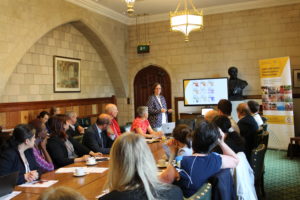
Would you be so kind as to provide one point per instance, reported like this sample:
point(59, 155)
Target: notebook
point(8, 182)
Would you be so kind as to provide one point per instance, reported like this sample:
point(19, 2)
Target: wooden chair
point(189, 122)
point(264, 138)
point(126, 128)
point(84, 122)
point(257, 164)
point(204, 193)
point(78, 138)
point(294, 147)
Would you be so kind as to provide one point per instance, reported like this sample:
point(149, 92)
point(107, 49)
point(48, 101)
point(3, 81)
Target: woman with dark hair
point(43, 117)
point(231, 138)
point(19, 155)
point(157, 106)
point(181, 144)
point(65, 150)
point(40, 152)
point(189, 178)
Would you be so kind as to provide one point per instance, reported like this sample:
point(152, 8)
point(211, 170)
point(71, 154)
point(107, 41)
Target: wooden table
point(89, 186)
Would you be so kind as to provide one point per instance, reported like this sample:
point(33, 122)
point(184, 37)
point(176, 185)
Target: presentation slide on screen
point(205, 91)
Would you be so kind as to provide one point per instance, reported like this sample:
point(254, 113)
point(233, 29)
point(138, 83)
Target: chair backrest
point(125, 128)
point(264, 138)
point(189, 122)
point(84, 122)
point(257, 160)
point(204, 193)
point(78, 138)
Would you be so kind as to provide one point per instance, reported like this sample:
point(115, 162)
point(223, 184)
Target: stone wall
point(238, 39)
point(33, 31)
point(23, 23)
point(32, 79)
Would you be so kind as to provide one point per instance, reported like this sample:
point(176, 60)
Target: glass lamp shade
point(186, 22)
point(130, 4)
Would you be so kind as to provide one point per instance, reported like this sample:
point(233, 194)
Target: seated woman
point(65, 150)
point(196, 169)
point(181, 144)
point(234, 140)
point(40, 152)
point(141, 124)
point(18, 156)
point(43, 117)
point(133, 174)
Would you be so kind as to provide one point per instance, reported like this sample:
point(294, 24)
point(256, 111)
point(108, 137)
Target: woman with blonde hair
point(61, 193)
point(133, 174)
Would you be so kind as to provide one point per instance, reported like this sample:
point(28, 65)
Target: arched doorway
point(143, 82)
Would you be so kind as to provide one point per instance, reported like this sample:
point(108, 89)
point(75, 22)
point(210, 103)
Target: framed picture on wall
point(296, 78)
point(66, 74)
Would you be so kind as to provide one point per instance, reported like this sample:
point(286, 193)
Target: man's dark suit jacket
point(59, 153)
point(248, 130)
point(71, 132)
point(10, 161)
point(92, 140)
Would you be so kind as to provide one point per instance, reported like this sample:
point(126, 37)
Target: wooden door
point(143, 82)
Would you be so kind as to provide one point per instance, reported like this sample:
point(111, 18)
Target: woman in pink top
point(141, 124)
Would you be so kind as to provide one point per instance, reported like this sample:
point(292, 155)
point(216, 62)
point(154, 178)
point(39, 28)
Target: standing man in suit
point(95, 137)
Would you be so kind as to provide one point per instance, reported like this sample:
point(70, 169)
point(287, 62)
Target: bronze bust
point(235, 85)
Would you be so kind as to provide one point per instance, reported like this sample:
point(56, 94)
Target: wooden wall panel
point(88, 109)
point(24, 117)
point(76, 109)
point(94, 109)
point(13, 118)
point(12, 114)
point(2, 118)
point(82, 111)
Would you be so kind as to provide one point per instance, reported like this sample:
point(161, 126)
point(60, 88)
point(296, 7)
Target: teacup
point(161, 162)
point(91, 161)
point(79, 171)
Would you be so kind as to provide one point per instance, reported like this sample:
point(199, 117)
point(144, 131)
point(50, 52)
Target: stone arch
point(100, 42)
point(134, 70)
point(140, 66)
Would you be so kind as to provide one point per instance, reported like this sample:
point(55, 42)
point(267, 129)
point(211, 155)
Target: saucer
point(91, 164)
point(77, 175)
point(162, 166)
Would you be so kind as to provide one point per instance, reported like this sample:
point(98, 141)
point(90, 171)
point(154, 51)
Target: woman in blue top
point(196, 169)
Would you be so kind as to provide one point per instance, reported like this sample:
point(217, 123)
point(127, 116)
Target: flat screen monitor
point(204, 91)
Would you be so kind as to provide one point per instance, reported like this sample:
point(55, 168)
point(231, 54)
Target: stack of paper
point(41, 183)
point(10, 196)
